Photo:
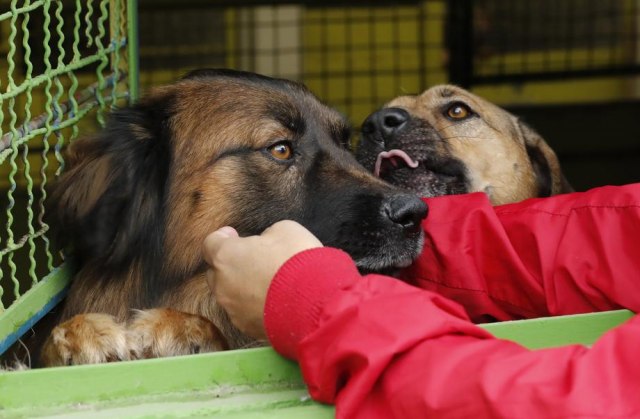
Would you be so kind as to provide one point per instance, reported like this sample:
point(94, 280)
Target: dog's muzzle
point(406, 211)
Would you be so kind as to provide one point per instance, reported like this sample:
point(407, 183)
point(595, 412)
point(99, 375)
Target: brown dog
point(449, 141)
point(219, 147)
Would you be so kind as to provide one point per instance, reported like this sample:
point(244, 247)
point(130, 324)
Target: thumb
point(214, 240)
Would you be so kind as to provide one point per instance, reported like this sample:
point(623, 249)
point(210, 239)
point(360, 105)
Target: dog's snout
point(386, 121)
point(392, 119)
point(406, 210)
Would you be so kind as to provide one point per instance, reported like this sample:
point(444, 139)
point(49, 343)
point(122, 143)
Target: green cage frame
point(249, 383)
point(122, 83)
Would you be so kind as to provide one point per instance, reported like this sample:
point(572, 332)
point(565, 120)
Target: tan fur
point(493, 147)
point(189, 299)
point(88, 339)
point(199, 200)
point(189, 224)
point(164, 332)
point(97, 338)
point(96, 178)
point(106, 299)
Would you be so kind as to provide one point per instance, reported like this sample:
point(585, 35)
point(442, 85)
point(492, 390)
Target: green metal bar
point(132, 50)
point(15, 245)
point(31, 306)
point(14, 151)
point(117, 39)
point(228, 371)
point(76, 30)
point(84, 62)
point(87, 21)
point(53, 101)
point(48, 116)
point(104, 60)
point(27, 173)
point(547, 332)
point(30, 216)
point(234, 384)
point(24, 9)
point(27, 116)
point(72, 104)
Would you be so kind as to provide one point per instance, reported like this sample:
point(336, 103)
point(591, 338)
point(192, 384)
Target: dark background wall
point(598, 143)
point(570, 67)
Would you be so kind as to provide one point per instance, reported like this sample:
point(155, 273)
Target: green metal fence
point(63, 65)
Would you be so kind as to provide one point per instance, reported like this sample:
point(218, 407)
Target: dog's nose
point(386, 121)
point(405, 210)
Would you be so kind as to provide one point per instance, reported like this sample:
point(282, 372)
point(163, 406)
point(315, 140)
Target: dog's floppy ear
point(109, 204)
point(551, 180)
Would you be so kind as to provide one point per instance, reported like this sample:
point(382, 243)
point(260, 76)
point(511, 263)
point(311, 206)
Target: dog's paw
point(165, 332)
point(87, 339)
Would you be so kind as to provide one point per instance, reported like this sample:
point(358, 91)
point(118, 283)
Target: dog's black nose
point(406, 210)
point(386, 121)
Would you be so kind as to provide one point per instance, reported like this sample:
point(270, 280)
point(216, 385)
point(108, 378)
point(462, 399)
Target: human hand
point(242, 269)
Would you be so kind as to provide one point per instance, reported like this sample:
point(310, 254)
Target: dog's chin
point(427, 179)
point(390, 259)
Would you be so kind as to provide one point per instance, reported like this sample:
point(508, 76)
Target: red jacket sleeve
point(568, 254)
point(380, 348)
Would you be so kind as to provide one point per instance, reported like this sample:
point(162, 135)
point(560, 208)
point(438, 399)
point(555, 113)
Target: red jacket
point(380, 348)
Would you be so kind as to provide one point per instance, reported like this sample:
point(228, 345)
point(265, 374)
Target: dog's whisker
point(440, 130)
point(255, 344)
point(27, 353)
point(464, 137)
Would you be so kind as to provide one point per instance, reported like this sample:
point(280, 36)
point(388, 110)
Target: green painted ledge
point(247, 382)
point(547, 332)
point(251, 383)
point(35, 303)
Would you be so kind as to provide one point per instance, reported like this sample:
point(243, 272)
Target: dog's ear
point(108, 206)
point(545, 163)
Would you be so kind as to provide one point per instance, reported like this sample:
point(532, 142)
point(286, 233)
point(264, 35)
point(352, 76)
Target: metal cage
point(67, 63)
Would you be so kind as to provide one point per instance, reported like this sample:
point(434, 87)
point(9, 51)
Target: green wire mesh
point(66, 65)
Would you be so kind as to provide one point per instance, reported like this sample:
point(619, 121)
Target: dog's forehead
point(257, 97)
point(439, 96)
point(217, 113)
point(443, 94)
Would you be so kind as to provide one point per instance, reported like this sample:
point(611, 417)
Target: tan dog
point(218, 147)
point(450, 141)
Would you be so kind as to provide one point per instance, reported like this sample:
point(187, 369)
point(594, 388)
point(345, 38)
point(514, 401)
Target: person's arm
point(566, 254)
point(379, 348)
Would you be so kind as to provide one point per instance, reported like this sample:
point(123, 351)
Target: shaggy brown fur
point(217, 148)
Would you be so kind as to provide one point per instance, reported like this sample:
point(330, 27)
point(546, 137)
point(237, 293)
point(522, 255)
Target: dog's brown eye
point(281, 151)
point(458, 111)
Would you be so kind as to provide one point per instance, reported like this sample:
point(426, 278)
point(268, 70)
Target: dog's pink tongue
point(391, 154)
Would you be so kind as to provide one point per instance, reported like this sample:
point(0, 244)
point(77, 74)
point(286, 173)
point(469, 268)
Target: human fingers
point(293, 234)
point(214, 240)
